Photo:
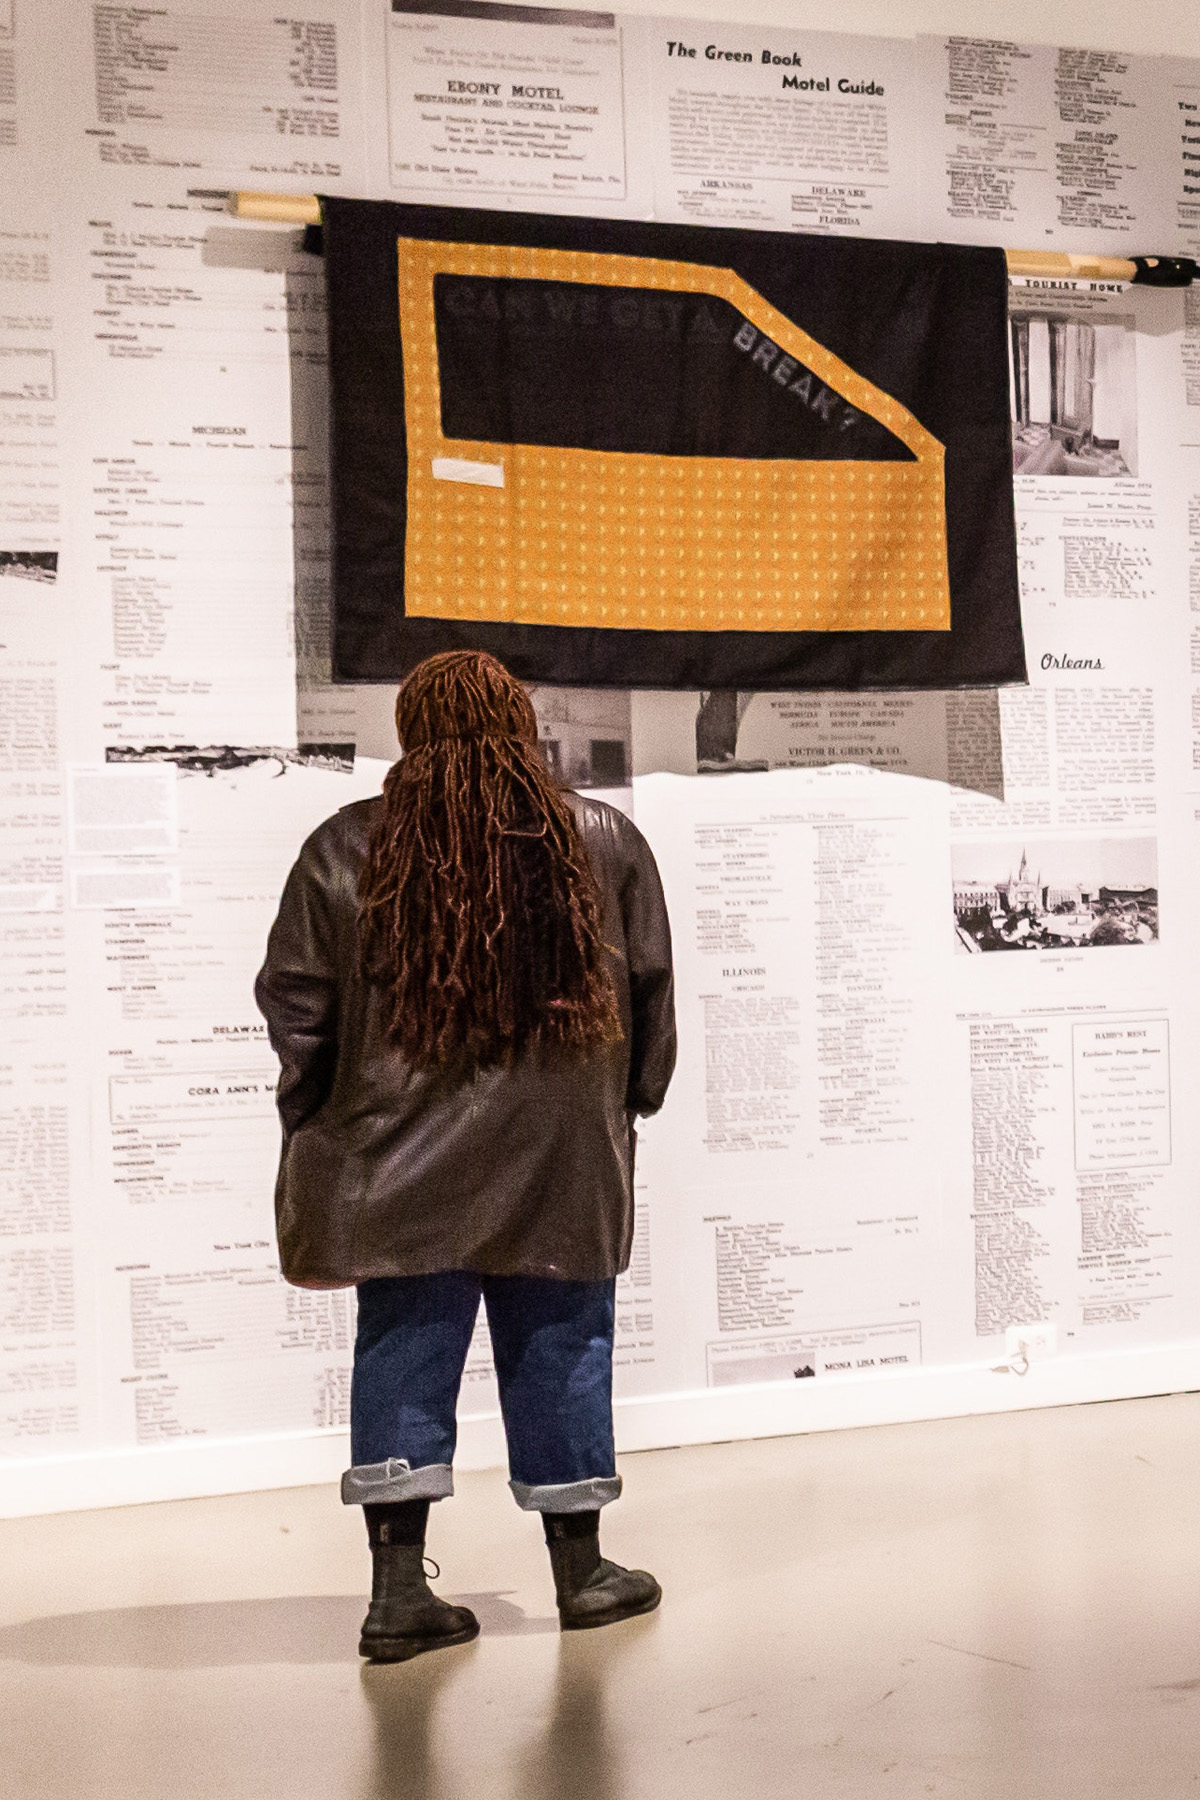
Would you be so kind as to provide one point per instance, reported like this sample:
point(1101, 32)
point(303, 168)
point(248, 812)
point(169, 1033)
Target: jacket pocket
point(321, 1180)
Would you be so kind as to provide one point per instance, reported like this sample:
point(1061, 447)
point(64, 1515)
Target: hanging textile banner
point(638, 455)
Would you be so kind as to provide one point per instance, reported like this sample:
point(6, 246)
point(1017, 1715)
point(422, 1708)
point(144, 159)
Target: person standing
point(469, 987)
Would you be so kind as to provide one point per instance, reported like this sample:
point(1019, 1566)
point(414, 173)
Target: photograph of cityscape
point(1055, 894)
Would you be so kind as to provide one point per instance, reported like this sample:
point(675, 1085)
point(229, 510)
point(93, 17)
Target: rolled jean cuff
point(567, 1496)
point(374, 1484)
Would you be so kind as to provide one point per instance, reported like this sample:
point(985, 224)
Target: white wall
point(187, 365)
point(1166, 28)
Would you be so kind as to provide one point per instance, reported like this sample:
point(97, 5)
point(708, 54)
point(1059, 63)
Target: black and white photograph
point(227, 759)
point(718, 722)
point(30, 565)
point(1074, 395)
point(585, 735)
point(1055, 894)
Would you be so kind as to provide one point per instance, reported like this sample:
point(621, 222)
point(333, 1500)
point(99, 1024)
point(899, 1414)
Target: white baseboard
point(702, 1416)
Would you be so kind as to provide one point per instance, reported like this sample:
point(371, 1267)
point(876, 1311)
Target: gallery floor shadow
point(580, 1751)
point(571, 1749)
point(208, 1634)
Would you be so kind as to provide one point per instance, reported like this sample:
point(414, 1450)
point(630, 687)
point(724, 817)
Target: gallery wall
point(936, 956)
point(1169, 28)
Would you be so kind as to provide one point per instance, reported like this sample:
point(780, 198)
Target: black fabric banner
point(662, 456)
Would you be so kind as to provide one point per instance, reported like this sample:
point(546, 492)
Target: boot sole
point(610, 1618)
point(403, 1649)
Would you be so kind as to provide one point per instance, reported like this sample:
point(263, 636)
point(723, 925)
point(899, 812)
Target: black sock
point(570, 1525)
point(397, 1522)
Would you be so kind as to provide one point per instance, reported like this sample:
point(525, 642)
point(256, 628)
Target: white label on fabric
point(456, 468)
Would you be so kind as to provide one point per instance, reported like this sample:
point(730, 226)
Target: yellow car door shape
point(631, 443)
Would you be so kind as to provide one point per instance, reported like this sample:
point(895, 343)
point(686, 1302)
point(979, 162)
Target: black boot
point(590, 1590)
point(405, 1619)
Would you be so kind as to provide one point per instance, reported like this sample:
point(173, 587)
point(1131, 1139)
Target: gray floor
point(1004, 1607)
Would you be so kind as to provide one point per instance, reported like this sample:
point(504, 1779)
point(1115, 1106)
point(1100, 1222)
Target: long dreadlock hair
point(479, 914)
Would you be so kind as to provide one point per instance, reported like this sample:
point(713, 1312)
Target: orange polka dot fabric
point(581, 537)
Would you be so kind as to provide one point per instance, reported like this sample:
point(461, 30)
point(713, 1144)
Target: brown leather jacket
point(387, 1170)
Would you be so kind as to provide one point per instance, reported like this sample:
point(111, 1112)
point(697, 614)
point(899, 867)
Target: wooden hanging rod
point(280, 209)
point(1049, 265)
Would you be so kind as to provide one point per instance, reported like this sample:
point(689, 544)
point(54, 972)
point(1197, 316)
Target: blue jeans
point(552, 1343)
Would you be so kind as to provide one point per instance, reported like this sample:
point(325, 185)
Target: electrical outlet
point(1031, 1341)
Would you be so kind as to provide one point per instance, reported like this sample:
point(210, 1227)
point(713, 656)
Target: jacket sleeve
point(651, 978)
point(297, 988)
